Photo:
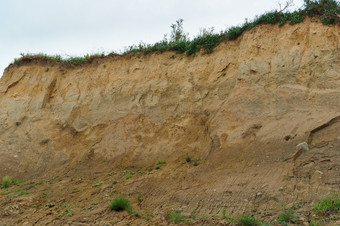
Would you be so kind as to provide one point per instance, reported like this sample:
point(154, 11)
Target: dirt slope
point(74, 133)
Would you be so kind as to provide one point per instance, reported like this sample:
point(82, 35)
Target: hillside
point(78, 136)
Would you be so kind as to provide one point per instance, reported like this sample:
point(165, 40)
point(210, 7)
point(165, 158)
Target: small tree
point(177, 33)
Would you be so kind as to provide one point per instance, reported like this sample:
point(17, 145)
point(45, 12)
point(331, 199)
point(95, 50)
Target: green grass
point(176, 217)
point(328, 205)
point(161, 162)
point(97, 184)
point(326, 10)
point(23, 192)
point(224, 215)
point(287, 216)
point(314, 223)
point(196, 161)
point(120, 203)
point(128, 176)
point(187, 157)
point(6, 182)
point(246, 220)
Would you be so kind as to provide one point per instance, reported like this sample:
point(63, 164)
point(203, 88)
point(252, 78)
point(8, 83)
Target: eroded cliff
point(239, 112)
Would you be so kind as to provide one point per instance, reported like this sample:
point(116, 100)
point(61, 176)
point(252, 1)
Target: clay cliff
point(241, 114)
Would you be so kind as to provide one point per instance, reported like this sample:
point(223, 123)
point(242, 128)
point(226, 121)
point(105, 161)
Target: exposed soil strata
point(238, 113)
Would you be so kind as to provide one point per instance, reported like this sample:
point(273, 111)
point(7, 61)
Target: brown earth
point(75, 133)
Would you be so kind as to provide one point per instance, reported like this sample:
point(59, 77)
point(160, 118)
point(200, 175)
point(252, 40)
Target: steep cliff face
point(240, 111)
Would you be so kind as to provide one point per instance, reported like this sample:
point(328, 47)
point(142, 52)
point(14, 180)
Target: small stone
point(338, 138)
point(258, 194)
point(281, 188)
point(303, 145)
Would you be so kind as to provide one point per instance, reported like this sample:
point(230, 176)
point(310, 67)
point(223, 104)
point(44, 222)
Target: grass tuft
point(176, 217)
point(287, 216)
point(6, 181)
point(246, 220)
point(120, 203)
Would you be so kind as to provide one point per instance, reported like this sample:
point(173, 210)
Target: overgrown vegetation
point(328, 11)
point(120, 203)
point(328, 205)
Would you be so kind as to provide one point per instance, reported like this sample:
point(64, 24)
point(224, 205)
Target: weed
point(161, 162)
point(113, 173)
point(193, 214)
point(314, 223)
point(136, 213)
point(61, 69)
point(120, 203)
point(6, 181)
point(224, 216)
point(17, 182)
point(196, 161)
point(287, 216)
point(50, 204)
point(157, 167)
point(40, 182)
point(47, 69)
point(328, 205)
point(97, 184)
point(7, 193)
point(90, 207)
point(128, 176)
point(246, 220)
point(141, 172)
point(204, 218)
point(68, 212)
point(139, 198)
point(148, 215)
point(176, 217)
point(187, 157)
point(23, 192)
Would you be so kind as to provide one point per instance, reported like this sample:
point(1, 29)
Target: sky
point(79, 27)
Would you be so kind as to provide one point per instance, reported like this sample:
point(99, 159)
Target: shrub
point(120, 203)
point(246, 220)
point(6, 181)
point(176, 216)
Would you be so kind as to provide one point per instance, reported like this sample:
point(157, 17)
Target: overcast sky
point(78, 27)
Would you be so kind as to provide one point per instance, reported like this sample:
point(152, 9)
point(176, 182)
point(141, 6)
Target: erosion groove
point(202, 139)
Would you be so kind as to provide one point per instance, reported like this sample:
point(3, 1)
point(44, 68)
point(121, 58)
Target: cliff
point(238, 113)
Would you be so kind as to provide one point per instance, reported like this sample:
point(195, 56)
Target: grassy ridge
point(328, 11)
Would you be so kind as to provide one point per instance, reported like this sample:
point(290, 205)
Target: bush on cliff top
point(328, 11)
